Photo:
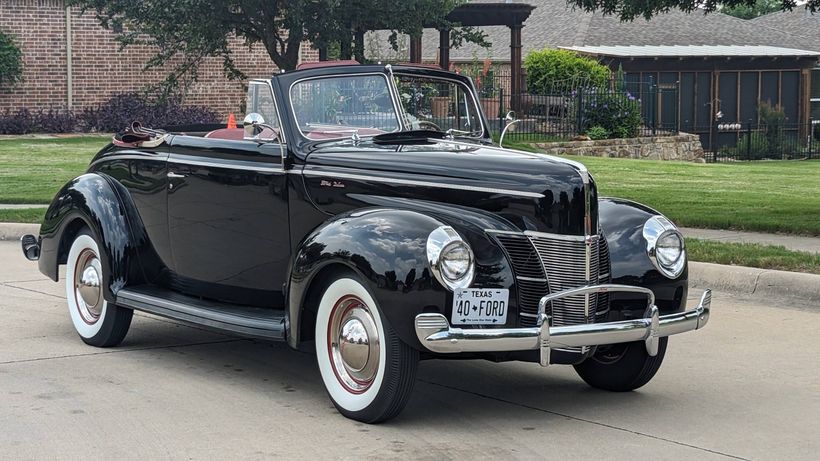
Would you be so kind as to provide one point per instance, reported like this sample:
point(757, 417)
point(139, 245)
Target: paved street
point(747, 387)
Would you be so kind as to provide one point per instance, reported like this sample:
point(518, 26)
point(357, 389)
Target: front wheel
point(98, 322)
point(367, 370)
point(621, 367)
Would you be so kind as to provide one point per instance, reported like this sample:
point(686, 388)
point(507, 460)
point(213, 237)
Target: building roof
point(802, 26)
point(554, 24)
point(689, 51)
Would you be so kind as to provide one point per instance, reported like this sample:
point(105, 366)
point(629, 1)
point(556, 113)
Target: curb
point(764, 283)
point(741, 280)
point(14, 231)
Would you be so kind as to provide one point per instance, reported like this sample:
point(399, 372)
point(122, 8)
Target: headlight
point(664, 246)
point(450, 258)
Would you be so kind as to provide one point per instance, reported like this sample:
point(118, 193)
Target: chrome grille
point(564, 258)
point(566, 266)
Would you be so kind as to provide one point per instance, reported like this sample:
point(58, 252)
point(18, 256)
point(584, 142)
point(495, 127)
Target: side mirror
point(511, 120)
point(254, 125)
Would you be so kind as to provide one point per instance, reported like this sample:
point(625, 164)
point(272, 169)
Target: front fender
point(622, 222)
point(386, 248)
point(93, 200)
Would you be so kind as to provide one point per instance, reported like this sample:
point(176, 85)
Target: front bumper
point(436, 334)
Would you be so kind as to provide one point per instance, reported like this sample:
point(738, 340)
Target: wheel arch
point(100, 203)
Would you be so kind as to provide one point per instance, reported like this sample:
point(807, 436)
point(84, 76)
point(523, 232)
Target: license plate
point(475, 306)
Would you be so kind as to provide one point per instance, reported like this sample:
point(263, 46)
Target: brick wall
point(99, 69)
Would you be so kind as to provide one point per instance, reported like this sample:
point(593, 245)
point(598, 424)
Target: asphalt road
point(746, 387)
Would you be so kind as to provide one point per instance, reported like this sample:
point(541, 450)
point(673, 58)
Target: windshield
point(346, 106)
point(437, 104)
point(338, 106)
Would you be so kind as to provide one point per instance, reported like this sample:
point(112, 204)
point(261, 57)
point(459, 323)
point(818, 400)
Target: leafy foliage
point(123, 109)
point(185, 32)
point(597, 132)
point(11, 61)
point(628, 10)
point(773, 120)
point(547, 69)
point(110, 116)
point(617, 112)
point(24, 121)
point(756, 9)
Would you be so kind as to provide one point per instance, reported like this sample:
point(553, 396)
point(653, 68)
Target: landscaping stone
point(683, 146)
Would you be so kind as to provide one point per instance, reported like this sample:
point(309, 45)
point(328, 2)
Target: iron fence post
point(748, 140)
point(501, 109)
point(580, 115)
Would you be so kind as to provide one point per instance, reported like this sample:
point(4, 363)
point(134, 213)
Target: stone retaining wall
point(683, 146)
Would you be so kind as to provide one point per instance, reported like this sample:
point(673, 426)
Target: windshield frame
point(469, 89)
point(400, 125)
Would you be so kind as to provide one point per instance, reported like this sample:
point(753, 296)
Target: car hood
point(532, 191)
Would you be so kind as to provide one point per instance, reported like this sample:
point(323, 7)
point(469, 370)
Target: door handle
point(173, 175)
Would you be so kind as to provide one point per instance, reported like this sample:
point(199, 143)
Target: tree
point(186, 31)
point(555, 70)
point(628, 10)
point(758, 8)
point(11, 61)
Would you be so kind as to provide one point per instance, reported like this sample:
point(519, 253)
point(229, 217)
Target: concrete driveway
point(746, 387)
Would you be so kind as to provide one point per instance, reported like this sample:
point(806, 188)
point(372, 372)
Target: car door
point(228, 215)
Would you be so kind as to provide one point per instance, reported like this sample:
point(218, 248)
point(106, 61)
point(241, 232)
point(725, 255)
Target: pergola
point(511, 15)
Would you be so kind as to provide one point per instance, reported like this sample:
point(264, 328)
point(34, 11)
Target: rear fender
point(95, 201)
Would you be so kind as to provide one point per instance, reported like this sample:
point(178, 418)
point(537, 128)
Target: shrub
point(24, 121)
point(11, 61)
point(751, 146)
point(550, 69)
point(597, 132)
point(773, 120)
point(123, 109)
point(619, 113)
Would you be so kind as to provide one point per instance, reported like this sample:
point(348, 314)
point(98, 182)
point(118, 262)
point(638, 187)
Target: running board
point(257, 322)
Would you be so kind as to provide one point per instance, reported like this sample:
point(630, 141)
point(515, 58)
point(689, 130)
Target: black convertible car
point(365, 210)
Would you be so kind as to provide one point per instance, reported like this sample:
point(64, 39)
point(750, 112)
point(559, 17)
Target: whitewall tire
point(98, 322)
point(367, 370)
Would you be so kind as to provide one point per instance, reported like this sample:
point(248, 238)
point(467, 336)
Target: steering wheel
point(428, 125)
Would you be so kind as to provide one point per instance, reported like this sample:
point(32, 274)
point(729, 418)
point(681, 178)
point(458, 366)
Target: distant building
point(50, 35)
point(721, 64)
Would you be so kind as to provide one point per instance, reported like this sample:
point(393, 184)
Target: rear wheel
point(367, 370)
point(98, 322)
point(621, 367)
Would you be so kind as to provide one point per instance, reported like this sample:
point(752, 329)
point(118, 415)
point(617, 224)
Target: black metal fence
point(759, 141)
point(569, 109)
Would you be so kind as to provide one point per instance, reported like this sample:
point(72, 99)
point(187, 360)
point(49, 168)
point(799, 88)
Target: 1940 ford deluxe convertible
point(366, 210)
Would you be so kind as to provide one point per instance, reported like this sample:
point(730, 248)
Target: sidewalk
point(791, 242)
point(6, 206)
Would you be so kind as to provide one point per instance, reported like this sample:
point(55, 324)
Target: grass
point(778, 196)
point(33, 170)
point(25, 215)
point(752, 255)
point(766, 196)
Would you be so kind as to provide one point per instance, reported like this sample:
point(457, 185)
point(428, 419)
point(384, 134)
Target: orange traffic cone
point(231, 121)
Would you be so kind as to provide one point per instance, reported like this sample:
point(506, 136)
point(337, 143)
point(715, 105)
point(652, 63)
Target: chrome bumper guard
point(436, 334)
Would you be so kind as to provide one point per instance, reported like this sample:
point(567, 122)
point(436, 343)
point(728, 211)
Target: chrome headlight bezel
point(657, 229)
point(440, 242)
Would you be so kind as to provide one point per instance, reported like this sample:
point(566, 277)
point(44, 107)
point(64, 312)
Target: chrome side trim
point(571, 238)
point(230, 165)
point(413, 182)
point(435, 333)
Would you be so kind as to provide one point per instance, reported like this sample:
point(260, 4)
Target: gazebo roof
point(490, 14)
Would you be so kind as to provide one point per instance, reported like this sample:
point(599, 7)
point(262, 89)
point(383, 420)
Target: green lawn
point(25, 215)
point(752, 255)
point(33, 170)
point(779, 196)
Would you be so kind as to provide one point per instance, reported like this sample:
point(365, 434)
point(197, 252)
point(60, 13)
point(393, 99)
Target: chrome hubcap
point(354, 344)
point(87, 286)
